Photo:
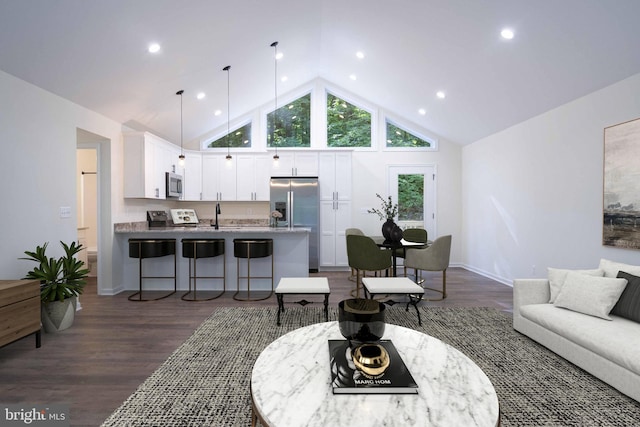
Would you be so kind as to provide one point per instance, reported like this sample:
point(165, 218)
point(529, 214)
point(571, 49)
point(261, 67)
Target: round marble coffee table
point(291, 385)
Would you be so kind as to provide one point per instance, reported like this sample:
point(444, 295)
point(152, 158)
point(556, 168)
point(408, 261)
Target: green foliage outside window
point(411, 197)
point(347, 125)
point(240, 137)
point(397, 137)
point(293, 124)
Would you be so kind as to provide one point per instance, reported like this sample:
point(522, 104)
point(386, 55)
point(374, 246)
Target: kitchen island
point(290, 257)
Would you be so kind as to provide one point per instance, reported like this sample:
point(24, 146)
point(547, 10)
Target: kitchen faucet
point(217, 227)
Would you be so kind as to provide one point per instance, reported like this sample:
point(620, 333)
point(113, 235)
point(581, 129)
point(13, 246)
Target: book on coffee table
point(347, 379)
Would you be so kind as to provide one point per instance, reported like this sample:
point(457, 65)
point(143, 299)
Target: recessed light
point(422, 111)
point(440, 94)
point(217, 113)
point(360, 55)
point(154, 48)
point(284, 79)
point(353, 77)
point(507, 33)
point(201, 95)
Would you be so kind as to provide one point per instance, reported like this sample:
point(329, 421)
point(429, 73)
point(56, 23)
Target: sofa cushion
point(611, 268)
point(557, 276)
point(591, 295)
point(616, 340)
point(628, 306)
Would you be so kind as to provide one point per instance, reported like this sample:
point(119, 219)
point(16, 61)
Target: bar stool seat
point(152, 248)
point(249, 249)
point(195, 249)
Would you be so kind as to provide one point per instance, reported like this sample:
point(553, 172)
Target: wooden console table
point(19, 310)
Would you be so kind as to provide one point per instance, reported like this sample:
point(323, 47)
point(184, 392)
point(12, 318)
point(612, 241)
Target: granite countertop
point(204, 227)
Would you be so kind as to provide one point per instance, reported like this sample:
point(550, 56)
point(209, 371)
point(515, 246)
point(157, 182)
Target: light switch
point(65, 212)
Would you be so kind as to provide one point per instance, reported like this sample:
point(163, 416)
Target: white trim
point(500, 279)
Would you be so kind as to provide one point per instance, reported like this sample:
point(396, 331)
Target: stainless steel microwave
point(174, 185)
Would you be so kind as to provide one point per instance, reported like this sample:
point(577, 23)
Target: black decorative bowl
point(361, 320)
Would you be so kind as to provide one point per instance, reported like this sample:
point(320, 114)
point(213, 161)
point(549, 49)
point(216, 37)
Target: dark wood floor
point(115, 344)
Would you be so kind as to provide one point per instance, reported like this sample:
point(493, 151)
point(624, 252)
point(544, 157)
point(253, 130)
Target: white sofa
point(608, 349)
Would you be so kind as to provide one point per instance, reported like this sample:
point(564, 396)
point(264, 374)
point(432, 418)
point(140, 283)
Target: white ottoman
point(303, 285)
point(394, 285)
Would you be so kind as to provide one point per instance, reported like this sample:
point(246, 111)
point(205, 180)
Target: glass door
point(413, 187)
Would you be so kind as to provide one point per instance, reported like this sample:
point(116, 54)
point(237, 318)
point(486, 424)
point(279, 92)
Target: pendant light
point(181, 156)
point(227, 68)
point(274, 45)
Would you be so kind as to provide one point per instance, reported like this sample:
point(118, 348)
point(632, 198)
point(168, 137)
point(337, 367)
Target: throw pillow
point(628, 306)
point(557, 277)
point(611, 268)
point(590, 295)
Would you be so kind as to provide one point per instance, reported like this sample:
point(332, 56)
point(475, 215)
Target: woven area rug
point(205, 382)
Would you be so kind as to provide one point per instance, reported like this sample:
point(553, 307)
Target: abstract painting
point(621, 210)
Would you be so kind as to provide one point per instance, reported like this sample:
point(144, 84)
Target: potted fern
point(61, 281)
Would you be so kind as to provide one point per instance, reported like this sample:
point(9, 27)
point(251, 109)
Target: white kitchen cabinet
point(192, 176)
point(146, 160)
point(334, 179)
point(296, 163)
point(335, 218)
point(218, 177)
point(252, 177)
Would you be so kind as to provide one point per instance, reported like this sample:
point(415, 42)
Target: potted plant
point(390, 229)
point(61, 281)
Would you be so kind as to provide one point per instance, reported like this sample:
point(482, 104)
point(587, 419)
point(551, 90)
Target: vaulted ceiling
point(94, 53)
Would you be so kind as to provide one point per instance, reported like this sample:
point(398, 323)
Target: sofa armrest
point(529, 291)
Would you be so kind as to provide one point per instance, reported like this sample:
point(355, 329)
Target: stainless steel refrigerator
point(297, 200)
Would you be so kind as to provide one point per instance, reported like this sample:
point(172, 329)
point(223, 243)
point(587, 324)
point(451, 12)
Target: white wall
point(38, 139)
point(532, 194)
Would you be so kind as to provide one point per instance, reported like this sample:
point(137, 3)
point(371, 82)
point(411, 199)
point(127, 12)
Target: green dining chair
point(364, 255)
point(416, 235)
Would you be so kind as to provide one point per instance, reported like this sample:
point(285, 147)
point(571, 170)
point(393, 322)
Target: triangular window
point(292, 124)
point(347, 125)
point(238, 138)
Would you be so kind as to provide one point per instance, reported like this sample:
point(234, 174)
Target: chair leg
point(442, 291)
point(444, 283)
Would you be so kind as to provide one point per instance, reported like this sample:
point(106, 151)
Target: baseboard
point(503, 280)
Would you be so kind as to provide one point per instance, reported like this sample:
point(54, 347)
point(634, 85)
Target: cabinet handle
point(200, 195)
point(157, 193)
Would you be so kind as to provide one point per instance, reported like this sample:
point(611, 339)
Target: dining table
point(396, 246)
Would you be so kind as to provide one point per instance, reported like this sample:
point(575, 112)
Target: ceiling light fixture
point(353, 77)
point(227, 68)
point(181, 156)
point(422, 111)
point(274, 45)
point(360, 55)
point(440, 94)
point(201, 95)
point(154, 48)
point(507, 34)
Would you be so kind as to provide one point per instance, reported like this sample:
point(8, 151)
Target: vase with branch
point(388, 212)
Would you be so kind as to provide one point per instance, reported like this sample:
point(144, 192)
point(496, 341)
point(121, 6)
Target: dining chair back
point(433, 258)
point(363, 255)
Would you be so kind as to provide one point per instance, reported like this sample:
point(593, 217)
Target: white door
point(413, 187)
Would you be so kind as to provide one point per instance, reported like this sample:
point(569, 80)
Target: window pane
point(293, 124)
point(397, 137)
point(347, 125)
point(411, 197)
point(238, 138)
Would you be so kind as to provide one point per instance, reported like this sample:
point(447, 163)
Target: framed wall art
point(621, 207)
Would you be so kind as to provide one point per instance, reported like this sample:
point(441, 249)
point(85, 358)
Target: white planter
point(58, 316)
